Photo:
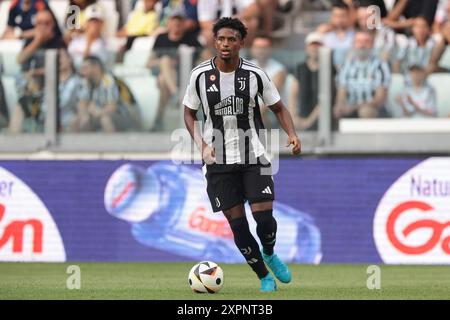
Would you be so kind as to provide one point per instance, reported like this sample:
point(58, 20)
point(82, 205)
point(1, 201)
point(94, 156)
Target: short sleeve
point(191, 98)
point(270, 93)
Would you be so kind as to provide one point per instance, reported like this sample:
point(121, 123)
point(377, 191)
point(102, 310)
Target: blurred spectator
point(351, 13)
point(353, 5)
point(45, 37)
point(367, 3)
point(401, 17)
point(261, 52)
point(340, 38)
point(101, 106)
point(22, 18)
point(91, 42)
point(306, 115)
point(188, 6)
point(141, 22)
point(418, 50)
point(164, 60)
point(69, 87)
point(418, 99)
point(383, 35)
point(267, 9)
point(211, 10)
point(75, 24)
point(362, 82)
point(29, 116)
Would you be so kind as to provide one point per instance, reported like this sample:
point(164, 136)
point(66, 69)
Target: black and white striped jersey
point(362, 78)
point(230, 104)
point(411, 54)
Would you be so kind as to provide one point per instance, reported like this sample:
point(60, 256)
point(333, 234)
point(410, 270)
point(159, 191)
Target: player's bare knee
point(235, 212)
point(261, 206)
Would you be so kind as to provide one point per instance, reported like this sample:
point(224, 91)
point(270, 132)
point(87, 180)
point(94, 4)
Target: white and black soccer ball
point(206, 277)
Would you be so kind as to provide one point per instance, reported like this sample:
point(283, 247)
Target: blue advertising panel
point(328, 211)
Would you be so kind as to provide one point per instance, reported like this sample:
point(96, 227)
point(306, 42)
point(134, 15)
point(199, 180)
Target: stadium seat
point(441, 83)
point(59, 8)
point(115, 43)
point(4, 11)
point(397, 84)
point(112, 17)
point(10, 89)
point(139, 53)
point(445, 59)
point(9, 49)
point(145, 90)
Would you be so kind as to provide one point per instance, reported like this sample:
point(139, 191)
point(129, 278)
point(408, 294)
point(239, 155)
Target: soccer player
point(229, 89)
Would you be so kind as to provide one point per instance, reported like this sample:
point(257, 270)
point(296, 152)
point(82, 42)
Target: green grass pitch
point(169, 281)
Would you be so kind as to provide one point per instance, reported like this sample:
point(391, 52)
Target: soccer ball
point(206, 277)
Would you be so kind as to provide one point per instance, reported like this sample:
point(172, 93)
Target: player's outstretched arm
point(285, 120)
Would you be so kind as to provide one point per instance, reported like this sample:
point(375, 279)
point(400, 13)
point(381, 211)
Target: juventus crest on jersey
point(230, 104)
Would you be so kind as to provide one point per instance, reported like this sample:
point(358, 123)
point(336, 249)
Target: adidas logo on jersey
point(213, 88)
point(267, 190)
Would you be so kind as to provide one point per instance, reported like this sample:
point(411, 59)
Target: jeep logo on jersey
point(230, 106)
point(412, 221)
point(27, 230)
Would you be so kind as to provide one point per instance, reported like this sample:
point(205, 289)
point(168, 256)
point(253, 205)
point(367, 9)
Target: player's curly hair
point(232, 23)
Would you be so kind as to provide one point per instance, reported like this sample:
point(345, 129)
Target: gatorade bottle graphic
point(168, 209)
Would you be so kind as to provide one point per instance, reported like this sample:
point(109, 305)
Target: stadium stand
point(294, 20)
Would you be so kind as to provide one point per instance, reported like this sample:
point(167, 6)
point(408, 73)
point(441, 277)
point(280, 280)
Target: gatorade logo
point(200, 221)
point(412, 221)
point(27, 229)
point(437, 228)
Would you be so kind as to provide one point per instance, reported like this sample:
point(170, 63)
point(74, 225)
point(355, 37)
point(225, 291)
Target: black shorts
point(231, 184)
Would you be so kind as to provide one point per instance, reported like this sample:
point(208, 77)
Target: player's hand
point(297, 145)
point(208, 154)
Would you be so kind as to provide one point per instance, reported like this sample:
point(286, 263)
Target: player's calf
point(266, 228)
point(248, 246)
